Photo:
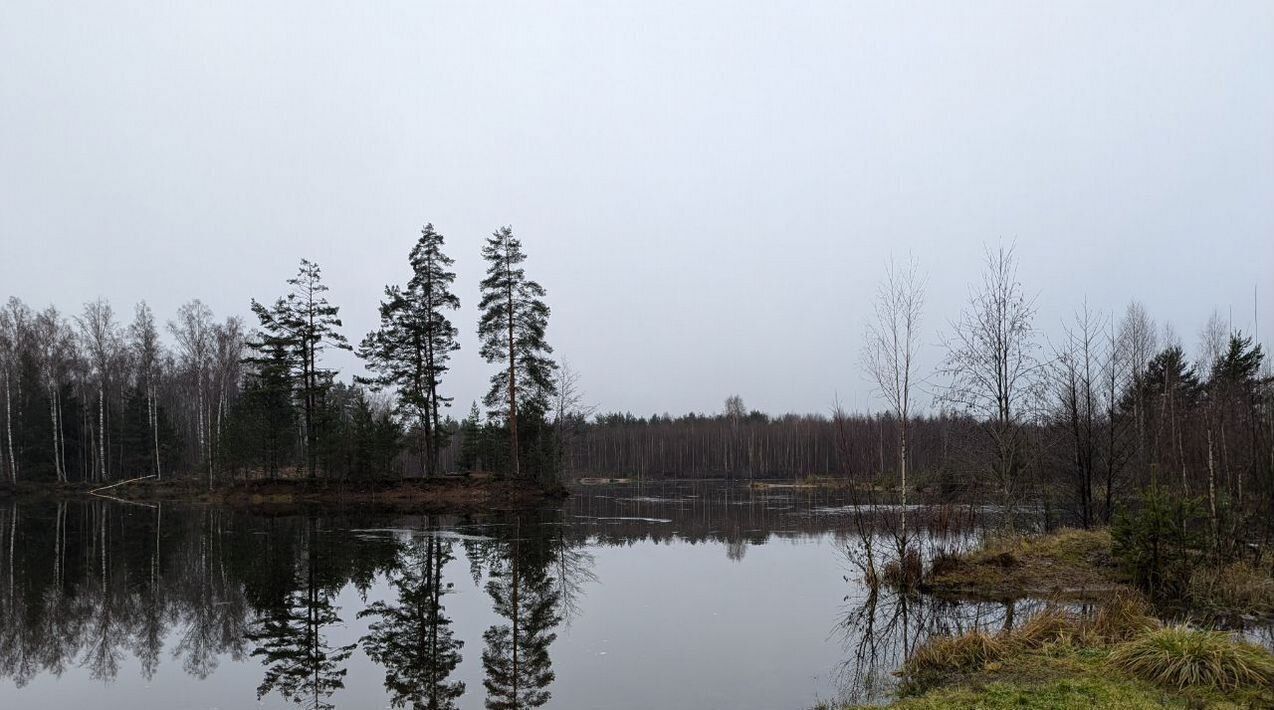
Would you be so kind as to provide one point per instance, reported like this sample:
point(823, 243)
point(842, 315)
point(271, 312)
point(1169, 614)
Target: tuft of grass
point(1122, 616)
point(1053, 625)
point(946, 654)
point(1182, 658)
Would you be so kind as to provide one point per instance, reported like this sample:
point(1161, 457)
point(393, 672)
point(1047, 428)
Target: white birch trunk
point(101, 430)
point(53, 420)
point(8, 424)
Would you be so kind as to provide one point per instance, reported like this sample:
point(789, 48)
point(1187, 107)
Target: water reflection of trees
point(411, 636)
point(301, 664)
point(88, 584)
point(739, 516)
point(516, 654)
point(880, 631)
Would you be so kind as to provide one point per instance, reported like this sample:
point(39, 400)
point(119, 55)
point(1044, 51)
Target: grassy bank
point(1069, 563)
point(1121, 657)
point(451, 493)
point(1084, 565)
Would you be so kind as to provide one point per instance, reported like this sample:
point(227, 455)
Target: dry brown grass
point(945, 654)
point(1075, 563)
point(1123, 616)
point(1238, 588)
point(1053, 625)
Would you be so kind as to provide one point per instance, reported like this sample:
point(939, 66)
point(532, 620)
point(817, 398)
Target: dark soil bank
point(446, 494)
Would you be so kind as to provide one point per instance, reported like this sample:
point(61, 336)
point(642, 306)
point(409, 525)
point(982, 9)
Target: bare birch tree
point(193, 331)
point(889, 355)
point(148, 354)
point(100, 335)
point(15, 321)
point(570, 413)
point(1139, 342)
point(992, 367)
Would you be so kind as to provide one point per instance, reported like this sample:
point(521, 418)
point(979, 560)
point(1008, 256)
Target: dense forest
point(1115, 405)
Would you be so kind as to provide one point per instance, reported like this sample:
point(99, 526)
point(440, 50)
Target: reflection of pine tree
point(516, 657)
point(299, 664)
point(413, 639)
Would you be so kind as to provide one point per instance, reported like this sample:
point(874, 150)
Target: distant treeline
point(755, 445)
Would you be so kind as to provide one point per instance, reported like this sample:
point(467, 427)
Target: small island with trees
point(252, 414)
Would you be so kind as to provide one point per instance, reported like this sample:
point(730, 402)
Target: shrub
point(1155, 542)
point(1182, 657)
point(943, 561)
point(907, 573)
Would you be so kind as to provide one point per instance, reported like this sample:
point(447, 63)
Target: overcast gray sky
point(707, 190)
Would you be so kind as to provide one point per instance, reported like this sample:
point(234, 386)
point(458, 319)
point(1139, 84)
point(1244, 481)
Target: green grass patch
point(1065, 693)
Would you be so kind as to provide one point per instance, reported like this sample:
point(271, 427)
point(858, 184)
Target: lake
point(689, 595)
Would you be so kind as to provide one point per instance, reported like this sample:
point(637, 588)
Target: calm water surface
point(693, 595)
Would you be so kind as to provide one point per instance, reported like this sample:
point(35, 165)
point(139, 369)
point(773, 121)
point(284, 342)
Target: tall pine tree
point(411, 348)
point(511, 330)
point(305, 324)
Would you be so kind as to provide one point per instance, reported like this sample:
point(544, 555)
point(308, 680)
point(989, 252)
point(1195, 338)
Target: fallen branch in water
point(120, 483)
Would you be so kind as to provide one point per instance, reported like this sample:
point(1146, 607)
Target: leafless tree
point(228, 349)
point(148, 354)
point(1118, 375)
point(103, 345)
point(1138, 341)
point(1076, 381)
point(1212, 342)
point(992, 367)
point(889, 356)
point(15, 324)
point(570, 413)
point(193, 331)
point(55, 350)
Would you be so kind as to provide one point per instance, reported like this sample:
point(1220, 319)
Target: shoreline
point(447, 494)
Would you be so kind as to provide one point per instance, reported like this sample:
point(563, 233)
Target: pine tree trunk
point(513, 394)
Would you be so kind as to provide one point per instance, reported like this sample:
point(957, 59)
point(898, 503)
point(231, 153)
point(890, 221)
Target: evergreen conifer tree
point(304, 323)
point(411, 348)
point(511, 329)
